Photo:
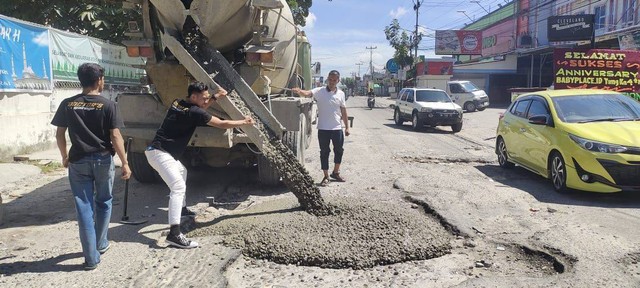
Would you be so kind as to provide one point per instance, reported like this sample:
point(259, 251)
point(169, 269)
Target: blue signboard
point(25, 65)
point(392, 66)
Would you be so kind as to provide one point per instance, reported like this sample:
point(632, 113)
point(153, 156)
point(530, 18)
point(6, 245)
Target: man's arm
point(220, 93)
point(345, 119)
point(227, 124)
point(304, 93)
point(118, 145)
point(62, 145)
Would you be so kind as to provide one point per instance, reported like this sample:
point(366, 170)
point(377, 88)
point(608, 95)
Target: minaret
point(24, 59)
point(44, 70)
point(13, 70)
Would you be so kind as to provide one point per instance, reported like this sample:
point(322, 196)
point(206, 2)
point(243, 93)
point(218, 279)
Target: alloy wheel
point(558, 173)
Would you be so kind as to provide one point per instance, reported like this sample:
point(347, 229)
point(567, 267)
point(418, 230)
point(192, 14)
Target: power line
point(371, 59)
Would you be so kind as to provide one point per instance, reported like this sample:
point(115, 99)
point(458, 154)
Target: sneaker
point(103, 250)
point(187, 213)
point(181, 241)
point(90, 267)
point(324, 182)
point(337, 177)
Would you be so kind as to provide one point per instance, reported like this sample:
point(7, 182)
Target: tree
point(102, 19)
point(349, 82)
point(399, 40)
point(300, 10)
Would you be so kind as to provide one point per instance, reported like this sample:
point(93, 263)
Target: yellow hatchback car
point(578, 138)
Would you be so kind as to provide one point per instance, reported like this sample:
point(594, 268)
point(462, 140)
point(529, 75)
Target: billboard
point(458, 42)
point(616, 70)
point(570, 28)
point(69, 50)
point(24, 58)
point(629, 41)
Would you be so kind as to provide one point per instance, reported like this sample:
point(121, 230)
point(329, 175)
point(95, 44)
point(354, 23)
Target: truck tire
point(470, 107)
point(456, 127)
point(266, 174)
point(140, 168)
point(416, 122)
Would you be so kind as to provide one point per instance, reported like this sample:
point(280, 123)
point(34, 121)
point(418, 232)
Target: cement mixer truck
point(253, 49)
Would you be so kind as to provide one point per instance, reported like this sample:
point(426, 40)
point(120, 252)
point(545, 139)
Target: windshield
point(468, 86)
point(596, 107)
point(432, 96)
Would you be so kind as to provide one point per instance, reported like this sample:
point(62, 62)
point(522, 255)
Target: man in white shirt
point(331, 111)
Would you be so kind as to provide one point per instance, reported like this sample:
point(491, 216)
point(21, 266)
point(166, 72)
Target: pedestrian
point(94, 126)
point(169, 144)
point(331, 111)
point(371, 93)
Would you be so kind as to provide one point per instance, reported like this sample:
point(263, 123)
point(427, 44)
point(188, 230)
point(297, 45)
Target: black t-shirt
point(371, 94)
point(89, 119)
point(178, 126)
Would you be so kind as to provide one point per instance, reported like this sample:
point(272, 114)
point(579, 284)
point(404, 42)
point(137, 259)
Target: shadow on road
point(41, 266)
point(426, 129)
point(541, 188)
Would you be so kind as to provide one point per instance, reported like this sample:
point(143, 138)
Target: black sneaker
point(187, 213)
point(180, 241)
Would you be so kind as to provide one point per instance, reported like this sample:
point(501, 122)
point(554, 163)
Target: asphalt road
point(510, 228)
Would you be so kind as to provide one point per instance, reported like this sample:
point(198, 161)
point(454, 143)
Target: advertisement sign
point(570, 28)
point(68, 51)
point(458, 42)
point(438, 68)
point(24, 58)
point(498, 39)
point(629, 41)
point(616, 70)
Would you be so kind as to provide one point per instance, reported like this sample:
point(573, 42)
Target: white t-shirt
point(329, 112)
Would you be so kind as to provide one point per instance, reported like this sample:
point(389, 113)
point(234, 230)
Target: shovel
point(125, 218)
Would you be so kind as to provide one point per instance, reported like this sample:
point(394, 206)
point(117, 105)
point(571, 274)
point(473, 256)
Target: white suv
point(431, 107)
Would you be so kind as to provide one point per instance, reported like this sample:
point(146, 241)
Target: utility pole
point(416, 6)
point(359, 64)
point(371, 60)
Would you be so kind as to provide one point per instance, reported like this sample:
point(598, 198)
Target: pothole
point(631, 262)
point(363, 234)
point(445, 159)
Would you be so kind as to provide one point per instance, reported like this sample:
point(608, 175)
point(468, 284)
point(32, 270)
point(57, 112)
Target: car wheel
point(558, 172)
point(469, 106)
point(502, 154)
point(482, 109)
point(456, 127)
point(396, 117)
point(416, 123)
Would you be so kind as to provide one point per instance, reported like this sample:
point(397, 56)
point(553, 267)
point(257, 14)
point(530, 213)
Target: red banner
point(616, 70)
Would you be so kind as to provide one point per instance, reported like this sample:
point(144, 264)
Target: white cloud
point(42, 39)
point(398, 12)
point(311, 21)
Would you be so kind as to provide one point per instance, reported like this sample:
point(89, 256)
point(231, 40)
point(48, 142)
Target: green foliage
point(300, 10)
point(349, 82)
point(102, 19)
point(400, 41)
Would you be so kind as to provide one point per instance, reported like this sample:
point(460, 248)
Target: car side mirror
point(539, 119)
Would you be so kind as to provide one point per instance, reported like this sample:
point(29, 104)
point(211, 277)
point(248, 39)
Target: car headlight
point(596, 146)
point(425, 109)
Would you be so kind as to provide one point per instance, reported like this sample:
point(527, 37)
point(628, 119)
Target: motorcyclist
point(371, 98)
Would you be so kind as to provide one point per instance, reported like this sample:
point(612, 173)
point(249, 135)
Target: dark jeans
point(326, 136)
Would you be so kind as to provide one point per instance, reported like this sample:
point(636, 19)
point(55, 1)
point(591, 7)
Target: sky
point(341, 30)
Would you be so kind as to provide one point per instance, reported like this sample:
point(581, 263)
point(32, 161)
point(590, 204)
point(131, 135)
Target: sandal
point(324, 182)
point(337, 177)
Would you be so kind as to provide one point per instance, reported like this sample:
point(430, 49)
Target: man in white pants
point(170, 142)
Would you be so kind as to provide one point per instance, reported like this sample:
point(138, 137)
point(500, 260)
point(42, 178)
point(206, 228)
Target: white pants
point(175, 175)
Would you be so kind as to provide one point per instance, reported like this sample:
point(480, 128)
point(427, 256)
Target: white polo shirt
point(329, 112)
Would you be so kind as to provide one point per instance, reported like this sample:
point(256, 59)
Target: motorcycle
point(371, 102)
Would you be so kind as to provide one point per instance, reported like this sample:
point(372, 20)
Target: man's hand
point(65, 162)
point(126, 171)
point(248, 120)
point(346, 132)
point(220, 93)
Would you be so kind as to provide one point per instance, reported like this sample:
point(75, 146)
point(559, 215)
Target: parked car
point(581, 139)
point(431, 107)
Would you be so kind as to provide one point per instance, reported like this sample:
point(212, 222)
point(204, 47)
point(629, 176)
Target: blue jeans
point(324, 139)
point(91, 180)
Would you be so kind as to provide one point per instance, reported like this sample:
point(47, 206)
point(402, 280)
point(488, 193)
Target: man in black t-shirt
point(94, 129)
point(171, 140)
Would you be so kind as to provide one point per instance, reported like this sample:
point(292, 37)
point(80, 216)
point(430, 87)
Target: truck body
point(462, 92)
point(261, 55)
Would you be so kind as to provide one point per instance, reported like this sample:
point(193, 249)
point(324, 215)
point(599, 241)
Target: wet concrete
point(362, 234)
point(294, 175)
